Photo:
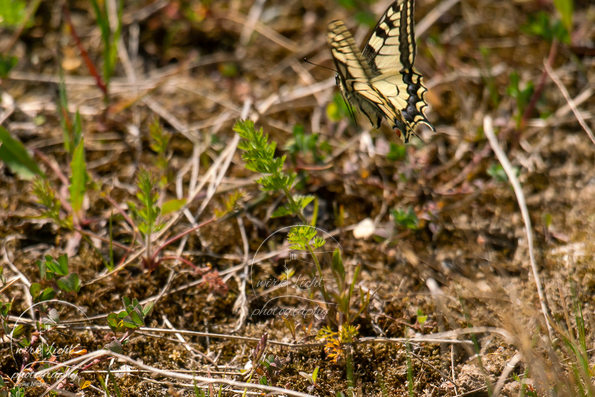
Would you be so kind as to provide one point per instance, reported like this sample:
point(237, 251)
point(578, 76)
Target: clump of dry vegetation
point(186, 207)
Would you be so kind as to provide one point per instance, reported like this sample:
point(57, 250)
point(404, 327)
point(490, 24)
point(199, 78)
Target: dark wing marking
point(392, 43)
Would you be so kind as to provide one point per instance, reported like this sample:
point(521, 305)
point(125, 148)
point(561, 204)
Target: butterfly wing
point(390, 54)
point(353, 73)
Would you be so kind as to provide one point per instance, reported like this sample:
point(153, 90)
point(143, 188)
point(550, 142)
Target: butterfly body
point(381, 81)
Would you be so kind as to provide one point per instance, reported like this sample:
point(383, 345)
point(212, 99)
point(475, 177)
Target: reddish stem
point(84, 54)
point(179, 236)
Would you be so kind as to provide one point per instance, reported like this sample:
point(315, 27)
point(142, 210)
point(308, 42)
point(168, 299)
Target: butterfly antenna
point(320, 66)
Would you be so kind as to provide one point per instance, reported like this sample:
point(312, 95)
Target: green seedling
point(311, 378)
point(566, 9)
point(46, 197)
point(304, 238)
point(306, 144)
point(259, 156)
point(146, 220)
point(421, 317)
point(406, 219)
point(522, 96)
point(344, 294)
point(270, 368)
point(57, 271)
point(131, 318)
point(488, 77)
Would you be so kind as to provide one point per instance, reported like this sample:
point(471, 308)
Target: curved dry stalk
point(76, 363)
point(518, 191)
point(569, 100)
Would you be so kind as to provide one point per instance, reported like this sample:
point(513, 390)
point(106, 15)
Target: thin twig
point(518, 190)
point(571, 103)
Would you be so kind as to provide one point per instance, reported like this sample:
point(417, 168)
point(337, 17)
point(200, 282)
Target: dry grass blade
point(518, 190)
point(569, 100)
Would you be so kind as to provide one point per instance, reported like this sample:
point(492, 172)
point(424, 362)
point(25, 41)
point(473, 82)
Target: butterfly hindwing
point(381, 81)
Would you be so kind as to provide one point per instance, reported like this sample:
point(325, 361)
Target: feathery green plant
point(259, 156)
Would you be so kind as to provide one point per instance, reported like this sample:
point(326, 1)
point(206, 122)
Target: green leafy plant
point(72, 132)
point(57, 270)
point(541, 25)
point(304, 238)
point(259, 156)
point(131, 318)
point(47, 198)
point(522, 96)
point(406, 219)
point(566, 9)
point(312, 378)
point(306, 144)
point(146, 220)
point(345, 291)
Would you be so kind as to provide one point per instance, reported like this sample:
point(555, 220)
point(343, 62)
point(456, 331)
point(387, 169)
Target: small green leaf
point(78, 179)
point(18, 331)
point(46, 295)
point(421, 318)
point(337, 263)
point(15, 156)
point(281, 211)
point(70, 283)
point(34, 289)
point(315, 374)
point(148, 308)
point(115, 346)
point(172, 206)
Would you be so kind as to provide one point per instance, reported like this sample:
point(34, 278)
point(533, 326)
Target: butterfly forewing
point(392, 43)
